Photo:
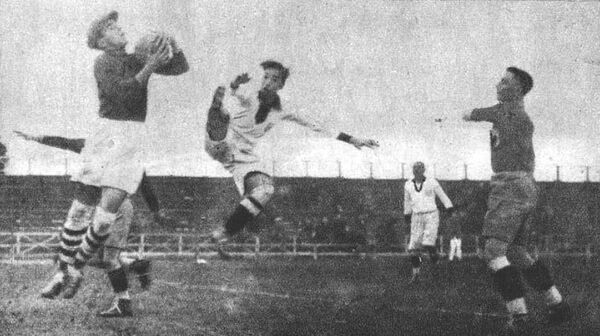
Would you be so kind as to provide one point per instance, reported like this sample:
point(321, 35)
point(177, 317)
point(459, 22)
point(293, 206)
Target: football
point(149, 43)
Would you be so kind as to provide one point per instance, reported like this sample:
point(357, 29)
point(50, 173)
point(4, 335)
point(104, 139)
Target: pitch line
point(402, 309)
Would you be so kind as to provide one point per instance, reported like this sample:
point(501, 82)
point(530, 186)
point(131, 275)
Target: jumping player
point(421, 212)
point(238, 118)
point(112, 158)
point(512, 201)
point(109, 257)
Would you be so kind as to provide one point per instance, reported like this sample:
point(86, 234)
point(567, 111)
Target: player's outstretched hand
point(239, 80)
point(26, 136)
point(359, 143)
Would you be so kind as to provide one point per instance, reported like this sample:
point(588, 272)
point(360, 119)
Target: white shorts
point(237, 163)
point(113, 156)
point(423, 229)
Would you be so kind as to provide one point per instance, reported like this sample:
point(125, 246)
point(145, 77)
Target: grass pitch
point(292, 296)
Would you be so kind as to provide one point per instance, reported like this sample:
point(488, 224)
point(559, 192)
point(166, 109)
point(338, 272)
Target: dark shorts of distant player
point(511, 205)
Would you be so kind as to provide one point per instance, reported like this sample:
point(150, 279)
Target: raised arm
point(439, 192)
point(407, 205)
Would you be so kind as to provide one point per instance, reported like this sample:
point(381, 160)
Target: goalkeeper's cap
point(96, 31)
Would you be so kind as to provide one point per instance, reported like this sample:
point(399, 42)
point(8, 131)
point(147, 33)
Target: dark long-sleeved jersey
point(121, 96)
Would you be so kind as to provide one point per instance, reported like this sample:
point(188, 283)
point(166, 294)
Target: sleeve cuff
point(344, 137)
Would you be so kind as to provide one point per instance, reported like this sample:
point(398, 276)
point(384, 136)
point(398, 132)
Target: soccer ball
point(201, 261)
point(148, 45)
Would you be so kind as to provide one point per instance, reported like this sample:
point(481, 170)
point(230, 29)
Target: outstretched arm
point(316, 127)
point(482, 114)
point(74, 145)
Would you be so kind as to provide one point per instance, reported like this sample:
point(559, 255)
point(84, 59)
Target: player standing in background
point(512, 201)
point(238, 118)
point(421, 212)
point(113, 157)
point(453, 225)
point(109, 257)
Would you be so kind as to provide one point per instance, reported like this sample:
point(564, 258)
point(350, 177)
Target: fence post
point(339, 164)
point(306, 168)
point(141, 247)
point(371, 170)
point(546, 243)
point(465, 167)
point(66, 166)
point(557, 173)
point(588, 253)
point(402, 165)
point(441, 250)
point(18, 246)
point(315, 253)
point(256, 244)
point(294, 245)
point(180, 245)
point(587, 173)
point(477, 246)
point(406, 238)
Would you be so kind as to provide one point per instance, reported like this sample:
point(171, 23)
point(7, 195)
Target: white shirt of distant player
point(424, 201)
point(244, 133)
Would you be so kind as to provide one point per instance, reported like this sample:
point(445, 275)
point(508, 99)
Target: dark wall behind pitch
point(370, 207)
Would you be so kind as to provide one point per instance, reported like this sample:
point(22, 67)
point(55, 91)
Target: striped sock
point(78, 220)
point(89, 247)
point(70, 240)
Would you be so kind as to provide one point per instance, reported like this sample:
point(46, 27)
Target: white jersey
point(421, 198)
point(244, 133)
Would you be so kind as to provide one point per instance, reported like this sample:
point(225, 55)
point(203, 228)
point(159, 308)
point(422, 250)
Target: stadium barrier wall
point(370, 208)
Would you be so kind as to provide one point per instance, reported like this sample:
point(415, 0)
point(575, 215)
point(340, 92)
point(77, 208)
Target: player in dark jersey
point(112, 157)
point(511, 203)
point(109, 257)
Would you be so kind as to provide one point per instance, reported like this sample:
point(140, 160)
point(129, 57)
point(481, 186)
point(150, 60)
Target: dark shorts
point(511, 205)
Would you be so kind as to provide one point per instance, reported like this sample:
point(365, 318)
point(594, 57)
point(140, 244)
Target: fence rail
point(36, 245)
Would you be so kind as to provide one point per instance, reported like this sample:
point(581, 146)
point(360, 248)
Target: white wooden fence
point(36, 245)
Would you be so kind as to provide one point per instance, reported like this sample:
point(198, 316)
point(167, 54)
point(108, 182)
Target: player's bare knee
point(112, 199)
point(103, 220)
point(80, 216)
point(494, 249)
point(259, 187)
